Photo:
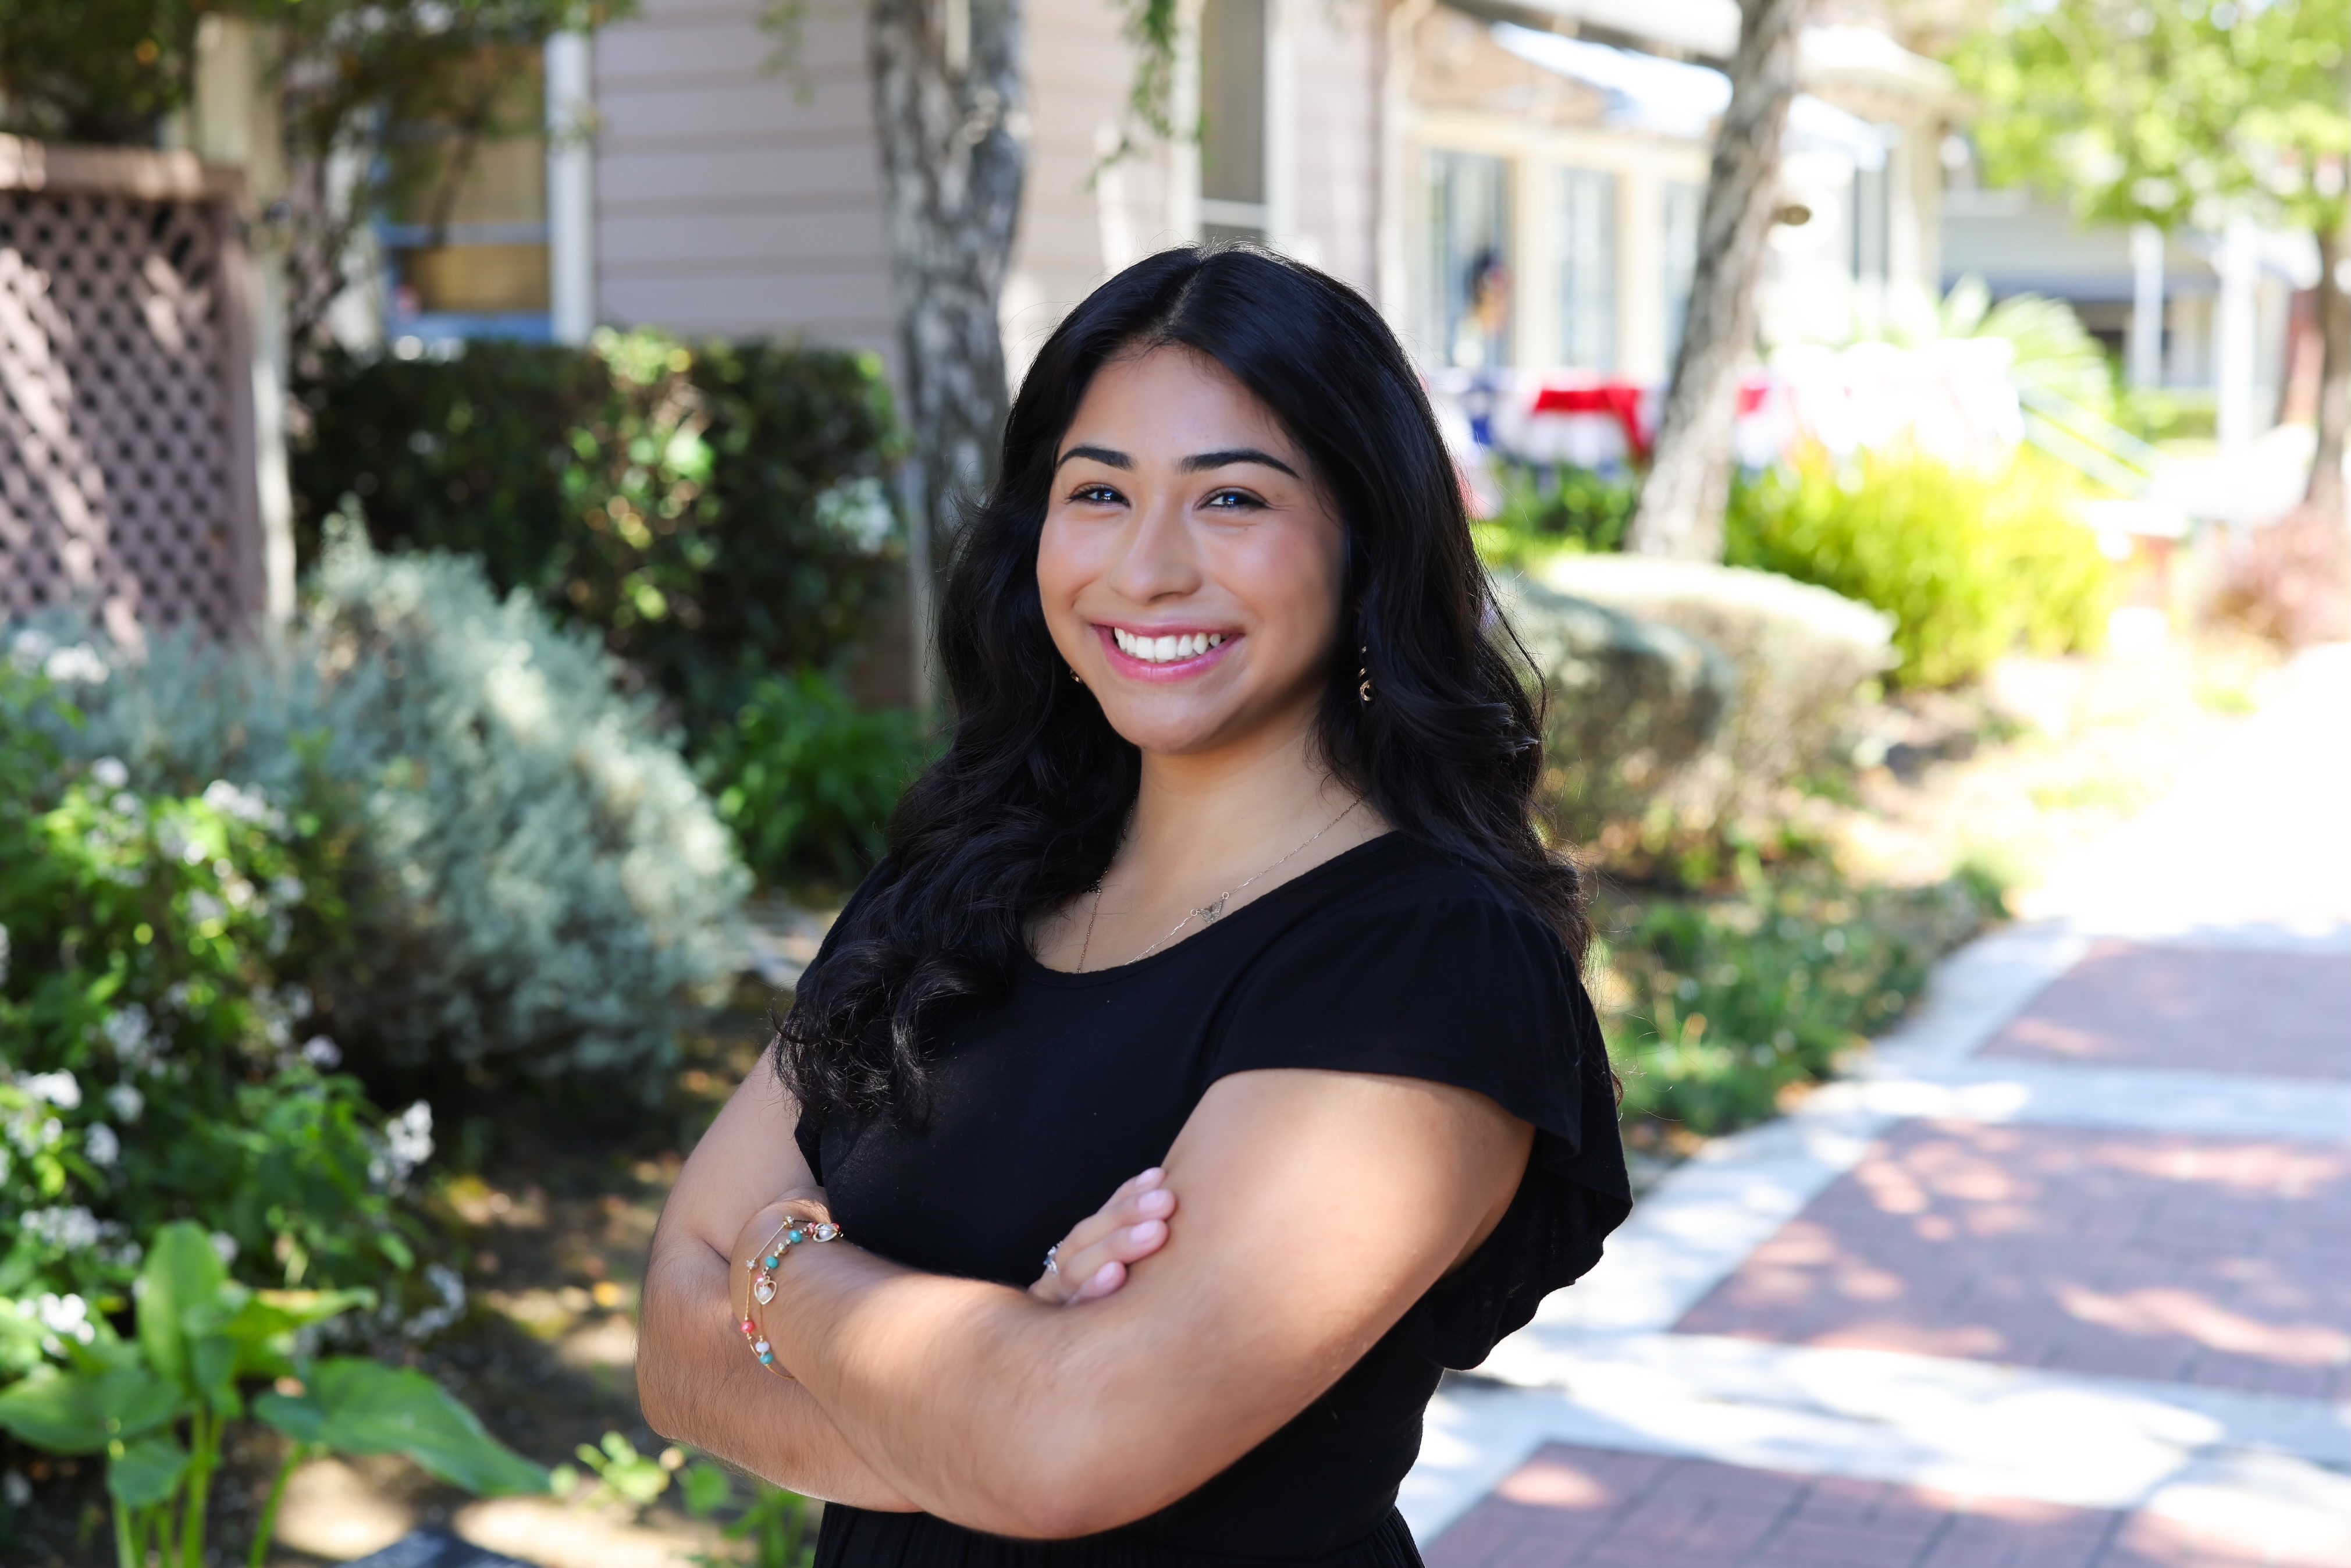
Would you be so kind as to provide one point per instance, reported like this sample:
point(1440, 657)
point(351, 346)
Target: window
point(1683, 202)
point(1469, 260)
point(1583, 250)
point(1232, 119)
point(465, 230)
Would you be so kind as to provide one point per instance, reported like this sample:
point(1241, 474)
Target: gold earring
point(1364, 674)
point(1075, 677)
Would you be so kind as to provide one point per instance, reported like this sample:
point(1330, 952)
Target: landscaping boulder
point(1627, 703)
point(1800, 659)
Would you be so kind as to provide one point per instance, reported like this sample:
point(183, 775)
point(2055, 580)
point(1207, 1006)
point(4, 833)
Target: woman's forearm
point(698, 1384)
point(978, 1402)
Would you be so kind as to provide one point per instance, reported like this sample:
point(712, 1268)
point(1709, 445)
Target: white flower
point(77, 665)
point(60, 1088)
point(450, 1286)
point(246, 804)
point(125, 1100)
point(29, 650)
point(323, 1054)
point(109, 772)
point(225, 1246)
point(859, 511)
point(67, 1316)
point(71, 1229)
point(100, 1145)
point(132, 1032)
point(408, 1139)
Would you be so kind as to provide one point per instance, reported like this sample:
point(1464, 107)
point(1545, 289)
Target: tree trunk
point(1682, 502)
point(2325, 493)
point(946, 104)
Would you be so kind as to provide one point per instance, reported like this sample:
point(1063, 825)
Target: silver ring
point(1052, 1261)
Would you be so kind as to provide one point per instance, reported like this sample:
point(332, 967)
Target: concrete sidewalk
point(2062, 1280)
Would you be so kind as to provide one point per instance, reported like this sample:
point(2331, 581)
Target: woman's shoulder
point(1397, 878)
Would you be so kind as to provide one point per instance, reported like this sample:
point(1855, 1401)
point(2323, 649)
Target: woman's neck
point(1220, 816)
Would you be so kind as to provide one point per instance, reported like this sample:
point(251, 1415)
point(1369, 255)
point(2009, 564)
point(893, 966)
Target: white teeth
point(1164, 650)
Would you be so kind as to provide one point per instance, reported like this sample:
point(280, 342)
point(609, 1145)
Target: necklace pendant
point(1210, 913)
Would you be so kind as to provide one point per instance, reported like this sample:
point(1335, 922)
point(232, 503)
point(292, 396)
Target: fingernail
point(1157, 1202)
point(1150, 1231)
point(1105, 1279)
point(1151, 1177)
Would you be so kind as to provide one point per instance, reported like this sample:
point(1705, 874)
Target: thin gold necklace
point(1207, 914)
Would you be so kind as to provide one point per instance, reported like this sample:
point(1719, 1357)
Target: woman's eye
point(1094, 496)
point(1232, 501)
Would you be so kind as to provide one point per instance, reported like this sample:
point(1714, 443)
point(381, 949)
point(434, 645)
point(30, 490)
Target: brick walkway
point(2022, 1297)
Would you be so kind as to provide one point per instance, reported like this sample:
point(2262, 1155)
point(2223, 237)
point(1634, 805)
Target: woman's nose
point(1158, 562)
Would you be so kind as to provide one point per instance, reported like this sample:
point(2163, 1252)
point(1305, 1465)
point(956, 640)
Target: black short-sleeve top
point(1391, 957)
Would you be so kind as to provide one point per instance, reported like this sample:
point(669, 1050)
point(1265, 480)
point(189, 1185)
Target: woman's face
point(1190, 562)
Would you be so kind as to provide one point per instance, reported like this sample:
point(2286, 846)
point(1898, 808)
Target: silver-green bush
point(1793, 660)
point(1627, 703)
point(542, 887)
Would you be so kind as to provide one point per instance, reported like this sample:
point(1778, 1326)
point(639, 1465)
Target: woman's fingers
point(1138, 1199)
point(1089, 1262)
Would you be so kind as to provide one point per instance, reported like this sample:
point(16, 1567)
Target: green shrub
point(1546, 511)
point(715, 511)
point(807, 779)
point(159, 1058)
point(1724, 1003)
point(1970, 567)
point(157, 1405)
point(537, 886)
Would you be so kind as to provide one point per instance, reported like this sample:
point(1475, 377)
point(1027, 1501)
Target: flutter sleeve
point(1475, 992)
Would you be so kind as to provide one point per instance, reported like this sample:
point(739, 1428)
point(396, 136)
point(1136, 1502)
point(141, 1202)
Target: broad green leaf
point(183, 1275)
point(147, 1472)
point(80, 1413)
point(356, 1406)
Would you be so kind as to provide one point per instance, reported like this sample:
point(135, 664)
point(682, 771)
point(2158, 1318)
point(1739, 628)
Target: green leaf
point(80, 1413)
point(356, 1406)
point(707, 1488)
point(183, 1275)
point(146, 1473)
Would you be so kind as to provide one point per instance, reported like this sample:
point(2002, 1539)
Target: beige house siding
point(1334, 48)
point(1078, 226)
point(734, 198)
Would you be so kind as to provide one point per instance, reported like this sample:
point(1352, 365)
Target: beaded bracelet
point(792, 1233)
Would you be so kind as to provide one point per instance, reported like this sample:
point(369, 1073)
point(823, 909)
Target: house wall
point(1329, 216)
point(731, 196)
point(1080, 221)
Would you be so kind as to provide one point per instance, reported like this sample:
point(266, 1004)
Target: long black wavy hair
point(1025, 810)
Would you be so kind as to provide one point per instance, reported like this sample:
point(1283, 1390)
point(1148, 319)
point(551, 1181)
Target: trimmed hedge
point(714, 510)
point(1970, 566)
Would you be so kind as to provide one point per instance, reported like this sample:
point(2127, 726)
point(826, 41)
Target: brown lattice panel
point(126, 417)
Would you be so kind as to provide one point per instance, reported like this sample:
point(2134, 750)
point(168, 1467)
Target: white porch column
point(232, 119)
point(570, 188)
point(2233, 325)
point(2147, 306)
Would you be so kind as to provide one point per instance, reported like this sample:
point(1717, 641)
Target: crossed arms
point(1316, 1207)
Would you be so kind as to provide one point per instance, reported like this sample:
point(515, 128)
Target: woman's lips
point(1125, 663)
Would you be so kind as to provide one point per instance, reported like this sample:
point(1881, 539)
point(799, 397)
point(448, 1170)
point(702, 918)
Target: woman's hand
point(1091, 1261)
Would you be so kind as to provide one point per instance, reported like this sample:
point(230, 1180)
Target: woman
point(1229, 877)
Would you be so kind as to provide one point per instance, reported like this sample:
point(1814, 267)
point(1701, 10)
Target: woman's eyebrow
point(1102, 454)
point(1201, 463)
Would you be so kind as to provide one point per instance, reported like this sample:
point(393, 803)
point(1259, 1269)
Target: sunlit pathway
point(2062, 1280)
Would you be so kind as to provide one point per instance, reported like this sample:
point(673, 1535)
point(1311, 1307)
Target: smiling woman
point(1230, 875)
